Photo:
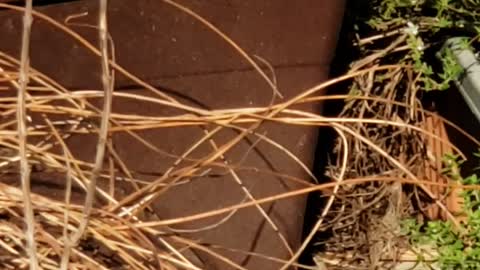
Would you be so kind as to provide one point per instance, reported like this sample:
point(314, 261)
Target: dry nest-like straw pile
point(391, 136)
point(381, 145)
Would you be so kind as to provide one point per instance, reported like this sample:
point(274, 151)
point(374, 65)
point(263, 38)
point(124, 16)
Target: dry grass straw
point(404, 141)
point(60, 234)
point(22, 136)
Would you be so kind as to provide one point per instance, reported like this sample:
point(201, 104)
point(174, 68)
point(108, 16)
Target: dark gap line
point(39, 3)
point(156, 81)
point(244, 69)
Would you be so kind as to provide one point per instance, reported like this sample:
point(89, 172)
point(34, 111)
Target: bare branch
point(22, 136)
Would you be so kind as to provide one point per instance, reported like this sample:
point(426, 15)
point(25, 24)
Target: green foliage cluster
point(428, 24)
point(457, 248)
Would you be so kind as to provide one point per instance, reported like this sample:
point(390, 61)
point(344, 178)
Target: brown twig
point(22, 136)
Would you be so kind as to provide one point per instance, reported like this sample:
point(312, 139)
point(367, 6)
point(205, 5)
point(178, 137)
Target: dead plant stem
point(22, 136)
point(103, 132)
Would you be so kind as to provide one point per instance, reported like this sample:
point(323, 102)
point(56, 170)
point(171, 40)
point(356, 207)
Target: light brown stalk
point(22, 136)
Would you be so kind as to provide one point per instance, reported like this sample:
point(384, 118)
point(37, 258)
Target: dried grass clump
point(103, 248)
point(110, 231)
point(381, 145)
point(393, 136)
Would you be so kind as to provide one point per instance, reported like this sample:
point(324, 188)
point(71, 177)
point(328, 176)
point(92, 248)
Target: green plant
point(457, 248)
point(428, 23)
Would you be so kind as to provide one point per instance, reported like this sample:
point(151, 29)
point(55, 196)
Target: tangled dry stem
point(379, 140)
point(365, 220)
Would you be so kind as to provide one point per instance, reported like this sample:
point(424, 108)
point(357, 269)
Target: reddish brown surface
point(438, 149)
point(171, 50)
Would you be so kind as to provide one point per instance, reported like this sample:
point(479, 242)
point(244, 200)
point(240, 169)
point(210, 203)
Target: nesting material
point(395, 138)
